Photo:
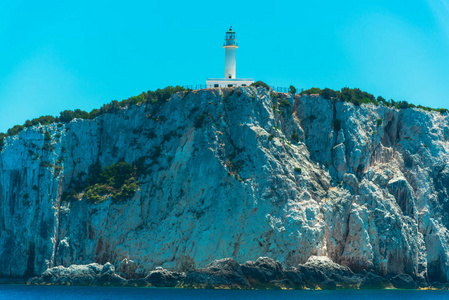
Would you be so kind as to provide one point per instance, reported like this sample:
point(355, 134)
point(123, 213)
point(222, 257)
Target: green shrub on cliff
point(382, 100)
point(356, 96)
point(68, 115)
point(313, 90)
point(284, 102)
point(15, 130)
point(260, 83)
point(329, 94)
point(44, 120)
point(118, 181)
point(292, 89)
point(403, 105)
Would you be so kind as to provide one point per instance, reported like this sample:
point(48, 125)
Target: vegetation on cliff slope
point(355, 96)
point(158, 96)
point(118, 181)
point(358, 97)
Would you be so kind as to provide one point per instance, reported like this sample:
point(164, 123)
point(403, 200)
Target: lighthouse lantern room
point(230, 79)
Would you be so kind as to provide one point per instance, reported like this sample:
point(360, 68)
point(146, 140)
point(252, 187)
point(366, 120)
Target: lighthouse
point(229, 80)
point(230, 46)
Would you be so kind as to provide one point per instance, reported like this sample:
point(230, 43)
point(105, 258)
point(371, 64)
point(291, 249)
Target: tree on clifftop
point(292, 89)
point(260, 83)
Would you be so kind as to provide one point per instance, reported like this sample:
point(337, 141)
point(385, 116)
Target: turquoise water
point(97, 293)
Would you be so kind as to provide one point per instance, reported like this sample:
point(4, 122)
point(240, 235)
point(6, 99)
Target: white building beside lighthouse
point(230, 79)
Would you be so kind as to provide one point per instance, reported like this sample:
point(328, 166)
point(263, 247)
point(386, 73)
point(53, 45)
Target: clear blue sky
point(57, 55)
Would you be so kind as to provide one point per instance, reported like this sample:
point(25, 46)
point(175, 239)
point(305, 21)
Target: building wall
point(227, 83)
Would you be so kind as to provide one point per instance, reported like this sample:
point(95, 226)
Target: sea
point(9, 291)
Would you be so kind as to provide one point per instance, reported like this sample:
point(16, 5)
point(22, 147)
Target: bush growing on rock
point(15, 130)
point(313, 90)
point(118, 181)
point(292, 89)
point(68, 115)
point(356, 96)
point(329, 94)
point(403, 105)
point(44, 120)
point(260, 83)
point(284, 102)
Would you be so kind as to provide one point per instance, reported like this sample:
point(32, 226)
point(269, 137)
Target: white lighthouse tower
point(230, 79)
point(230, 45)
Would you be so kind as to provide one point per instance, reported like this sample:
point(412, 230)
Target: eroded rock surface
point(234, 173)
point(326, 274)
point(220, 273)
point(92, 274)
point(372, 281)
point(164, 278)
point(403, 281)
point(264, 273)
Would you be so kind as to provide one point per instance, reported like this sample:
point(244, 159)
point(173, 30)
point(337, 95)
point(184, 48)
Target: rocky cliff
point(238, 173)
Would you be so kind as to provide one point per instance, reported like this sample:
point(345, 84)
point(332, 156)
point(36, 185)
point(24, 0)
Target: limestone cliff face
point(238, 173)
